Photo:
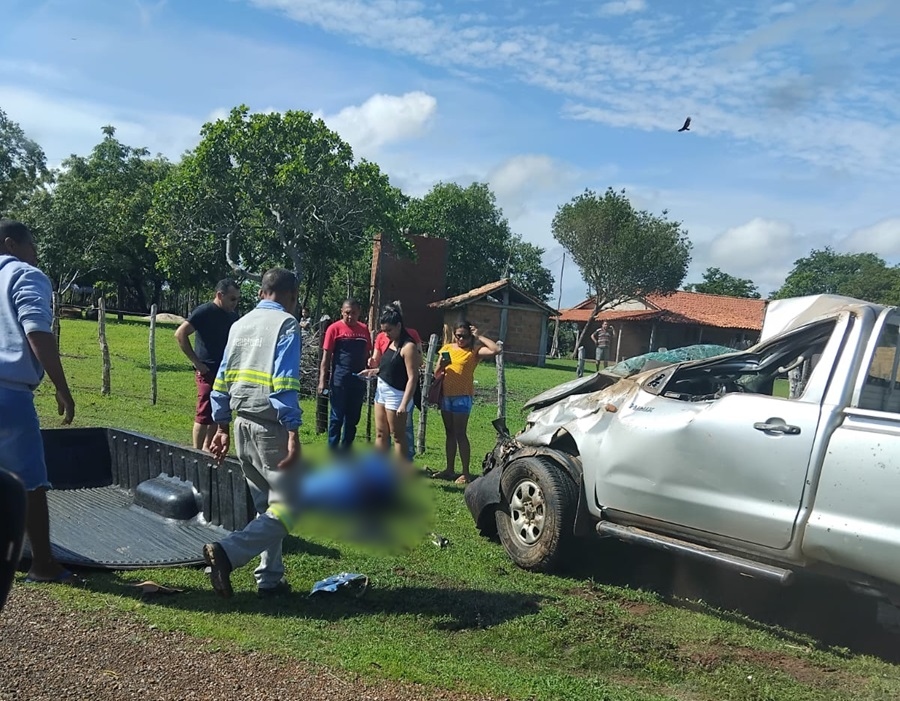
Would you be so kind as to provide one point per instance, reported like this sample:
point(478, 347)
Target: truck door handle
point(770, 427)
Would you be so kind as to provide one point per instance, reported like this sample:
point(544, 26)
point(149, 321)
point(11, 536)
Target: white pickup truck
point(705, 459)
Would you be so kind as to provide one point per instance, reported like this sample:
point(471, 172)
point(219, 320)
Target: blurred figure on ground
point(456, 366)
point(398, 377)
point(259, 381)
point(602, 339)
point(382, 341)
point(210, 322)
point(27, 350)
point(345, 352)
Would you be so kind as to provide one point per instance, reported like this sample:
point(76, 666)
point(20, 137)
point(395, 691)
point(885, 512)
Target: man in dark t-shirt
point(211, 322)
point(345, 352)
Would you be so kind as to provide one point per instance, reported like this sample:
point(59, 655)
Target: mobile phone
point(446, 356)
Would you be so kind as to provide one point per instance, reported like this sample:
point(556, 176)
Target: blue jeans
point(346, 408)
point(21, 445)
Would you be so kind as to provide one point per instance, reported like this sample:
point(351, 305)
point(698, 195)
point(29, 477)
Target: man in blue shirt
point(259, 381)
point(27, 350)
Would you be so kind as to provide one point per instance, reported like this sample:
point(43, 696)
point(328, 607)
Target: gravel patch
point(48, 652)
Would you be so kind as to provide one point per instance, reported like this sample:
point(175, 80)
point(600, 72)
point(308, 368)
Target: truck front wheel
point(537, 512)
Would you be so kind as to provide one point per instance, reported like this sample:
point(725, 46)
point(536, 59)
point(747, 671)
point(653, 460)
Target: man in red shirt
point(345, 350)
point(381, 343)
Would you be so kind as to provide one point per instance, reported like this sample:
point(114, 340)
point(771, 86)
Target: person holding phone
point(457, 364)
point(382, 341)
point(398, 375)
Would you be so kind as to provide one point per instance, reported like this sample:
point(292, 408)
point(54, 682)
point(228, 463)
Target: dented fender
point(482, 495)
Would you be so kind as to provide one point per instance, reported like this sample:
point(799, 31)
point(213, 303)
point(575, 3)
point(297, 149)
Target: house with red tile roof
point(672, 321)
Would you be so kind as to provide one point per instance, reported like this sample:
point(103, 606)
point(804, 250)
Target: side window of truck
point(881, 391)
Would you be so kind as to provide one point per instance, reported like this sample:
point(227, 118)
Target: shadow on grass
point(446, 609)
point(293, 544)
point(825, 611)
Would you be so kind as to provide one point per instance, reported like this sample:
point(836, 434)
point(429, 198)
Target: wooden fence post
point(580, 370)
point(153, 354)
point(369, 403)
point(57, 302)
point(426, 387)
point(501, 383)
point(104, 346)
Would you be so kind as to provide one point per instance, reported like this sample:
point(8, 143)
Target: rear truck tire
point(536, 514)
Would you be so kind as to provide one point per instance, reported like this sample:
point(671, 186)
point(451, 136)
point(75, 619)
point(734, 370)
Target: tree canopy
point(861, 275)
point(264, 189)
point(622, 252)
point(717, 282)
point(481, 246)
point(23, 166)
point(90, 224)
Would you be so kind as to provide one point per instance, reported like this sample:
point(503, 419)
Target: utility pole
point(554, 347)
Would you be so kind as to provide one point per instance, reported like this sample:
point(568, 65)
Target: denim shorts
point(457, 405)
point(21, 445)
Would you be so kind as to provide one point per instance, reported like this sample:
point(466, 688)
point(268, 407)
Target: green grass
point(462, 617)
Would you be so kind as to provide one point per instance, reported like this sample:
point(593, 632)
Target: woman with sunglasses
point(398, 375)
point(457, 364)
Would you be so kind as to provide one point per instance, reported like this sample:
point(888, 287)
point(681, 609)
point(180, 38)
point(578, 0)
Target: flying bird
point(687, 125)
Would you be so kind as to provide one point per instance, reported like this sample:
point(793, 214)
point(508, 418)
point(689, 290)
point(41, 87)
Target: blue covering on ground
point(334, 582)
point(629, 367)
point(368, 482)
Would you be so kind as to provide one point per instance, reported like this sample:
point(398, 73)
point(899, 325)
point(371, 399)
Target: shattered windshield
point(754, 371)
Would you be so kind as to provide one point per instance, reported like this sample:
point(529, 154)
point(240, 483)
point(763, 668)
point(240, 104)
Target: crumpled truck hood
point(580, 413)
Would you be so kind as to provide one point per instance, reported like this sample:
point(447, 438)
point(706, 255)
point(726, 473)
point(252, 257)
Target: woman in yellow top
point(457, 364)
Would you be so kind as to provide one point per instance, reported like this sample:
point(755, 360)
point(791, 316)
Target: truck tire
point(536, 514)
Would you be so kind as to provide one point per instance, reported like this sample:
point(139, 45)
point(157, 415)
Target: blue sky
point(795, 140)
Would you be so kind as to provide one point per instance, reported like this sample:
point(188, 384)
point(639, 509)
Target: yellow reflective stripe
point(283, 514)
point(282, 383)
point(248, 375)
point(220, 385)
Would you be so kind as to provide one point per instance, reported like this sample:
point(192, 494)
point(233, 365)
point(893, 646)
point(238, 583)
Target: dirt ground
point(47, 652)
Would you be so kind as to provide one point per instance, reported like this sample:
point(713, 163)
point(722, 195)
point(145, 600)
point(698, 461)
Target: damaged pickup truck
point(703, 458)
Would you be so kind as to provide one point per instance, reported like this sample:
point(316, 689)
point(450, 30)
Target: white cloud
point(623, 7)
point(882, 238)
point(384, 119)
point(41, 115)
point(622, 83)
point(525, 175)
point(783, 8)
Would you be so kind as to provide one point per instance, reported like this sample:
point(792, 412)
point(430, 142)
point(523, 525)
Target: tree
point(23, 166)
point(271, 189)
point(716, 282)
point(622, 253)
point(90, 223)
point(860, 275)
point(480, 245)
point(527, 270)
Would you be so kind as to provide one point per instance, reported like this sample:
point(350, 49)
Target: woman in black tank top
point(398, 374)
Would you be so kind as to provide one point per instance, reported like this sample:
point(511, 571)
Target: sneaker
point(219, 569)
point(283, 587)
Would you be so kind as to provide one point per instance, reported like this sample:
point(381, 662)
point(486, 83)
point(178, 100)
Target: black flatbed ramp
point(121, 500)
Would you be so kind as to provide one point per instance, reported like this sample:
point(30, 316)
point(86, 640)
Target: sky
point(795, 106)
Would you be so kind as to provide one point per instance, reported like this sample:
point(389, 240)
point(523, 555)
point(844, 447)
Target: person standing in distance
point(27, 350)
point(345, 353)
point(602, 339)
point(210, 322)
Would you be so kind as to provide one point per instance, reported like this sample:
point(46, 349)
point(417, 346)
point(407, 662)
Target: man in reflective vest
point(259, 381)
